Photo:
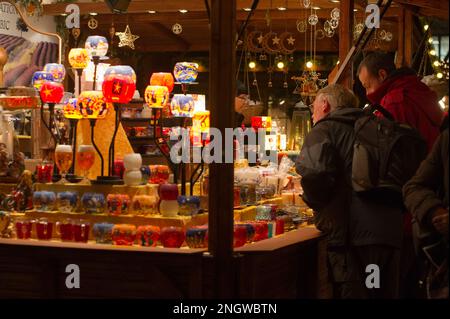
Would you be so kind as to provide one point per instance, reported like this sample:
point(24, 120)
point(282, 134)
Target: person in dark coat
point(426, 196)
point(359, 231)
point(239, 102)
point(410, 101)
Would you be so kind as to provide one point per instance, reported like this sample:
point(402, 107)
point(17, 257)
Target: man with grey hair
point(361, 232)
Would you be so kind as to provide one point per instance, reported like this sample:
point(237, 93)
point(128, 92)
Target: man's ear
point(325, 105)
point(382, 74)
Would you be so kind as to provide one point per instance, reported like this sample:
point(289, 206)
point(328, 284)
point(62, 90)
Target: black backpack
point(386, 154)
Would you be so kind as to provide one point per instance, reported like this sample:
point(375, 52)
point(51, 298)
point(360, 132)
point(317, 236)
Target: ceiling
point(155, 29)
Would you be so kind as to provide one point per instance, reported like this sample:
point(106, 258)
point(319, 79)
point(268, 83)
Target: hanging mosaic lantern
point(51, 92)
point(57, 70)
point(119, 84)
point(185, 72)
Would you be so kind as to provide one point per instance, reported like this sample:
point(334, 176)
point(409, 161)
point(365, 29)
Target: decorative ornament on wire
point(269, 84)
point(306, 3)
point(327, 26)
point(334, 23)
point(271, 43)
point(389, 36)
point(177, 28)
point(302, 26)
point(382, 35)
point(76, 33)
point(287, 43)
point(92, 23)
point(313, 19)
point(262, 57)
point(254, 44)
point(329, 33)
point(285, 85)
point(335, 14)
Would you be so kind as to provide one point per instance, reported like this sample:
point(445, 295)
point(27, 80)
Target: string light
point(436, 63)
point(425, 27)
point(430, 40)
point(252, 65)
point(280, 65)
point(309, 64)
point(432, 52)
point(439, 75)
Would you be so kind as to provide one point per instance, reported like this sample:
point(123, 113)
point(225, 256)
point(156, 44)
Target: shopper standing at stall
point(360, 231)
point(401, 93)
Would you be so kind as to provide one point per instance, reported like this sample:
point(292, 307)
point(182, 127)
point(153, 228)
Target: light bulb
point(439, 75)
point(309, 64)
point(430, 40)
point(432, 52)
point(252, 65)
point(280, 65)
point(425, 27)
point(436, 63)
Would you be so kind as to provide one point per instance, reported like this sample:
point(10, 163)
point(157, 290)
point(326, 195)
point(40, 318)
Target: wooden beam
point(408, 38)
point(169, 34)
point(346, 38)
point(222, 85)
point(401, 39)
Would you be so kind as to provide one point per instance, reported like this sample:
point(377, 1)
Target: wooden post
point(346, 38)
point(222, 83)
point(409, 28)
point(401, 39)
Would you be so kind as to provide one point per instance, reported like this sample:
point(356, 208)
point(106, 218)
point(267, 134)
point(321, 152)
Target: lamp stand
point(114, 179)
point(79, 74)
point(73, 138)
point(96, 60)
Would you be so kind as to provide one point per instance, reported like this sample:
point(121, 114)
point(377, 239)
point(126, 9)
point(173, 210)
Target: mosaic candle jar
point(163, 79)
point(66, 202)
point(65, 229)
point(145, 171)
point(240, 235)
point(44, 172)
point(51, 92)
point(144, 204)
point(148, 235)
point(197, 237)
point(58, 71)
point(263, 212)
point(261, 230)
point(182, 105)
point(188, 205)
point(44, 200)
point(159, 174)
point(103, 233)
point(156, 96)
point(96, 45)
point(93, 203)
point(118, 204)
point(172, 237)
point(39, 77)
point(124, 234)
point(81, 231)
point(119, 84)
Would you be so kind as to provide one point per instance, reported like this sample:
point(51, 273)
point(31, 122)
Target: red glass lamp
point(51, 93)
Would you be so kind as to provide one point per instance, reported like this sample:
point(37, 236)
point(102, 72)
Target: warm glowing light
point(436, 63)
point(252, 65)
point(247, 9)
point(152, 11)
point(338, 62)
point(430, 40)
point(183, 11)
point(309, 64)
point(432, 52)
point(439, 75)
point(425, 27)
point(282, 8)
point(442, 103)
point(280, 65)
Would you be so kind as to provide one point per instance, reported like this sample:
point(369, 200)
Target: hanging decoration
point(127, 38)
point(177, 28)
point(287, 43)
point(92, 23)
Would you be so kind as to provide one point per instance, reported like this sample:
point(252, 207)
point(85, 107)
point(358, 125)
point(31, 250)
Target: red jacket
point(412, 102)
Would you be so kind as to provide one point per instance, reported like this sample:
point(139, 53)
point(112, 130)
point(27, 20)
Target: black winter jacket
point(325, 163)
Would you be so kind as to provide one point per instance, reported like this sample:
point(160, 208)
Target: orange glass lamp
point(163, 79)
point(92, 106)
point(51, 93)
point(78, 60)
point(156, 96)
point(119, 85)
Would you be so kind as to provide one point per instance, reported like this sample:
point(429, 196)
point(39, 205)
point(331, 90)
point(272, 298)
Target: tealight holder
point(44, 201)
point(148, 235)
point(197, 237)
point(118, 204)
point(66, 202)
point(124, 234)
point(103, 233)
point(172, 237)
point(93, 203)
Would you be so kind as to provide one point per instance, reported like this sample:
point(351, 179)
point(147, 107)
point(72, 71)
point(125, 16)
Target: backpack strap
point(377, 107)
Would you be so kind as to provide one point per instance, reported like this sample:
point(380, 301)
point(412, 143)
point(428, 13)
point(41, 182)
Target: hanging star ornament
point(276, 40)
point(291, 40)
point(127, 38)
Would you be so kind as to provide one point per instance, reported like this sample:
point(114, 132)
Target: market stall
point(102, 189)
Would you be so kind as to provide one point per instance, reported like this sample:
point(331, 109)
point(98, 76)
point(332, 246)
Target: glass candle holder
point(39, 77)
point(263, 212)
point(248, 194)
point(78, 58)
point(118, 204)
point(119, 84)
point(57, 70)
point(93, 203)
point(65, 229)
point(159, 174)
point(96, 45)
point(182, 105)
point(240, 235)
point(188, 205)
point(103, 233)
point(81, 231)
point(44, 172)
point(23, 227)
point(124, 234)
point(148, 235)
point(119, 168)
point(156, 96)
point(85, 160)
point(44, 201)
point(66, 202)
point(163, 79)
point(44, 229)
point(172, 237)
point(185, 72)
point(197, 237)
point(51, 92)
point(145, 204)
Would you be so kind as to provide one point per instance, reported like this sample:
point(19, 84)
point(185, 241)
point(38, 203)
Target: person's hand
point(440, 220)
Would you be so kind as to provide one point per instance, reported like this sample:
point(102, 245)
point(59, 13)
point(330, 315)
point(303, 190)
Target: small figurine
point(3, 160)
point(17, 166)
point(21, 198)
point(5, 225)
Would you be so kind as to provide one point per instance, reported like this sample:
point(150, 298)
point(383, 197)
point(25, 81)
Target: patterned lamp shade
point(119, 84)
point(57, 70)
point(39, 78)
point(78, 58)
point(96, 45)
point(72, 110)
point(182, 105)
point(92, 105)
point(156, 96)
point(185, 72)
point(163, 79)
point(51, 92)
